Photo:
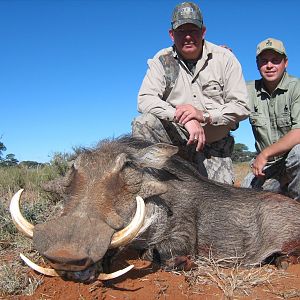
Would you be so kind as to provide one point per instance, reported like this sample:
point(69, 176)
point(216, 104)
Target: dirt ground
point(147, 282)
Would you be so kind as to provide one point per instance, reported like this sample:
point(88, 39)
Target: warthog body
point(186, 214)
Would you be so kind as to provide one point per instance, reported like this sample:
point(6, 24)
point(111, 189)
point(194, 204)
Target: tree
point(30, 164)
point(2, 149)
point(241, 153)
point(9, 160)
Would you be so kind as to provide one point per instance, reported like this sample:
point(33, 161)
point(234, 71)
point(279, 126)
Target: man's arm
point(151, 92)
point(283, 145)
point(235, 95)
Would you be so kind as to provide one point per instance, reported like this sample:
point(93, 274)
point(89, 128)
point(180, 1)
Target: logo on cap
point(186, 12)
point(269, 43)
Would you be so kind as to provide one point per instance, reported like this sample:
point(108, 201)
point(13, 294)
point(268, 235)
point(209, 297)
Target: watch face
point(206, 117)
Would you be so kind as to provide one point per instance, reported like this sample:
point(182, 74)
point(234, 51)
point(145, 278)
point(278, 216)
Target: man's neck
point(270, 87)
point(187, 60)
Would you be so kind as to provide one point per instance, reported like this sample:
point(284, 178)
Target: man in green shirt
point(274, 101)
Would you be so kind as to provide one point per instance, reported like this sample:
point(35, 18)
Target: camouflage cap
point(271, 44)
point(186, 12)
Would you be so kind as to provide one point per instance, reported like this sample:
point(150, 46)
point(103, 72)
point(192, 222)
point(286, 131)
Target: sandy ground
point(146, 281)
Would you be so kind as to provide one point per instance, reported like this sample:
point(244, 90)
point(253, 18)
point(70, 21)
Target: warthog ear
point(152, 188)
point(119, 163)
point(155, 156)
point(60, 184)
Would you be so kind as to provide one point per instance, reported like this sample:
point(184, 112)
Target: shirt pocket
point(258, 121)
point(285, 124)
point(213, 92)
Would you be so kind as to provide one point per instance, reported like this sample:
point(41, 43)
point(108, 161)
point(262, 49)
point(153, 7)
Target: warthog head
point(104, 192)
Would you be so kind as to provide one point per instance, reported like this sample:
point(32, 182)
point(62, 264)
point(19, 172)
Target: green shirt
point(272, 116)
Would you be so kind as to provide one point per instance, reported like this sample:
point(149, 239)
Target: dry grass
point(234, 281)
point(15, 280)
point(288, 294)
point(36, 207)
point(240, 171)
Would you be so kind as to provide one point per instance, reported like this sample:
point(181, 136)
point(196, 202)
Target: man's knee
point(149, 127)
point(247, 181)
point(144, 125)
point(293, 157)
point(220, 169)
point(145, 119)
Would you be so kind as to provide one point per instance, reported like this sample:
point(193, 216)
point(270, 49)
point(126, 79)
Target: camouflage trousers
point(214, 162)
point(283, 176)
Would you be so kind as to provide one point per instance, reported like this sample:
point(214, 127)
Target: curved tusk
point(54, 273)
point(125, 235)
point(32, 265)
point(116, 274)
point(21, 223)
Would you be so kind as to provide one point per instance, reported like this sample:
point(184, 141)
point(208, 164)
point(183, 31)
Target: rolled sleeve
point(235, 108)
point(295, 109)
point(151, 92)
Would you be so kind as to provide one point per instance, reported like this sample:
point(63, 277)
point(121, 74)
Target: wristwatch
point(206, 117)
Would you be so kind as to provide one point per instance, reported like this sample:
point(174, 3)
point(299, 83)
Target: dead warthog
point(171, 212)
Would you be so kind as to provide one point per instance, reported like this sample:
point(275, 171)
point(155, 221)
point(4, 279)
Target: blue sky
point(70, 70)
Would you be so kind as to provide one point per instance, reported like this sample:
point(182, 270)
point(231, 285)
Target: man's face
point(188, 39)
point(271, 65)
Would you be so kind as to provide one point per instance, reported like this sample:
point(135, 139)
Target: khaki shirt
point(217, 86)
point(272, 116)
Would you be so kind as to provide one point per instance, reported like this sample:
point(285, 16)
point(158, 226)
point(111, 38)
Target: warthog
point(171, 210)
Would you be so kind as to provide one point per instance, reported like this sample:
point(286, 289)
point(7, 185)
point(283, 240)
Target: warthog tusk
point(116, 274)
point(21, 223)
point(32, 265)
point(125, 235)
point(54, 273)
point(120, 238)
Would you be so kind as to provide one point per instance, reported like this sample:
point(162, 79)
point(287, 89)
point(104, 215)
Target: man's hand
point(283, 145)
point(187, 112)
point(226, 47)
point(196, 134)
point(259, 164)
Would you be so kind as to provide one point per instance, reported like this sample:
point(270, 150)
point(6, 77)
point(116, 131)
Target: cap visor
point(186, 21)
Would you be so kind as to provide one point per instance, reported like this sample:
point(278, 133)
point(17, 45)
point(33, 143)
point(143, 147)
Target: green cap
point(186, 12)
point(271, 44)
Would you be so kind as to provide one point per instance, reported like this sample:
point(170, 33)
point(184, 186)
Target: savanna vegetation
point(37, 207)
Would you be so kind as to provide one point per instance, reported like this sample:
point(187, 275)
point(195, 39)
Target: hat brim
point(178, 23)
point(271, 48)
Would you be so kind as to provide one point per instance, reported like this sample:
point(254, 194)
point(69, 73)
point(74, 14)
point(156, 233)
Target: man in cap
point(274, 101)
point(192, 96)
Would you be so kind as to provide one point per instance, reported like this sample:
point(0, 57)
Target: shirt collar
point(284, 82)
point(206, 55)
